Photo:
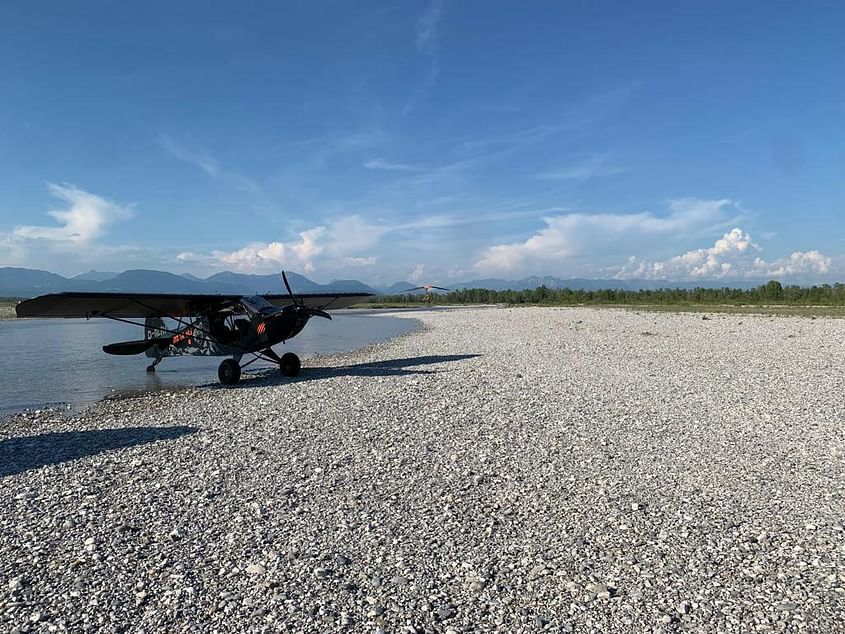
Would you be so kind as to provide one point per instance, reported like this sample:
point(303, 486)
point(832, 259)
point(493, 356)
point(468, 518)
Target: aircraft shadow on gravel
point(388, 367)
point(31, 452)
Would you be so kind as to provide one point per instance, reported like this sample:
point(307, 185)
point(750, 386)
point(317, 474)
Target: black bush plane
point(206, 325)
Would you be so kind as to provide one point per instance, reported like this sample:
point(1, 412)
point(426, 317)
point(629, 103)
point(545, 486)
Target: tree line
point(771, 293)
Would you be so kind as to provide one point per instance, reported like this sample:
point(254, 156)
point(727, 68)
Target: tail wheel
point(290, 364)
point(229, 372)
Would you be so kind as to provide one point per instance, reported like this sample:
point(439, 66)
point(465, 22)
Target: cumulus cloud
point(574, 234)
point(74, 239)
point(344, 242)
point(83, 219)
point(299, 254)
point(263, 256)
point(798, 263)
point(734, 255)
point(417, 274)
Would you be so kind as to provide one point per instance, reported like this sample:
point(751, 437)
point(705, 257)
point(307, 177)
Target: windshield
point(257, 304)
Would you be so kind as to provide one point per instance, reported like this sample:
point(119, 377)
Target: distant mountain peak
point(398, 287)
point(95, 276)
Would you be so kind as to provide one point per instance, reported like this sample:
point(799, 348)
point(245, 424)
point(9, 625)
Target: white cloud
point(734, 255)
point(381, 164)
point(570, 235)
point(360, 262)
point(800, 263)
point(713, 262)
point(427, 27)
point(299, 254)
point(83, 219)
point(353, 235)
point(417, 274)
point(344, 242)
point(349, 241)
point(12, 252)
point(73, 242)
point(427, 36)
point(265, 256)
point(190, 153)
point(580, 172)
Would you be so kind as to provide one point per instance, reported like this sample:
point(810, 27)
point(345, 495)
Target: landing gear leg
point(152, 367)
point(289, 363)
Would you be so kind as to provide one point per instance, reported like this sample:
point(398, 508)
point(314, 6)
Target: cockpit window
point(257, 304)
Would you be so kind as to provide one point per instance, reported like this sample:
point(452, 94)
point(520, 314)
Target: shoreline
point(264, 376)
point(815, 311)
point(494, 471)
point(76, 402)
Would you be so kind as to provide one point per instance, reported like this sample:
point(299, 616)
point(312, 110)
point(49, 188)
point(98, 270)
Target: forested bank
point(771, 293)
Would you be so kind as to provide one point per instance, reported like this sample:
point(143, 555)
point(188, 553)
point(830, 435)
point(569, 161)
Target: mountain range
point(21, 282)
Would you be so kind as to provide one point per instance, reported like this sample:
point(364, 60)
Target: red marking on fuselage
point(186, 336)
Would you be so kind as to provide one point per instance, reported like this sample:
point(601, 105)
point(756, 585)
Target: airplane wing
point(134, 305)
point(123, 305)
point(320, 301)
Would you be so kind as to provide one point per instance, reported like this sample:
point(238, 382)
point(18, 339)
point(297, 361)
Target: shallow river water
point(60, 362)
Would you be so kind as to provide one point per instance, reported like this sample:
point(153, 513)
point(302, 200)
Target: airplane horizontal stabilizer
point(134, 347)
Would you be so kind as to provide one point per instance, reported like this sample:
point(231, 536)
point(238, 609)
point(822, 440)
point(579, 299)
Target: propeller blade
point(316, 312)
point(440, 288)
point(287, 286)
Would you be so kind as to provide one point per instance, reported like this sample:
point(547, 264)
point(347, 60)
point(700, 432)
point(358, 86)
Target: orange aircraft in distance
point(427, 288)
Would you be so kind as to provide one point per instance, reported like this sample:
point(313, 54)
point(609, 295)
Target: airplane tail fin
point(155, 332)
point(154, 328)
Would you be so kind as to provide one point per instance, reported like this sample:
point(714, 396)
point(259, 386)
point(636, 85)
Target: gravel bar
point(499, 470)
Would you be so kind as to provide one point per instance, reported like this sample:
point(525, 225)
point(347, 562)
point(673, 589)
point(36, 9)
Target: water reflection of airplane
point(206, 325)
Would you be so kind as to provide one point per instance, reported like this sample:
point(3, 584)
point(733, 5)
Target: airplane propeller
point(300, 305)
point(287, 286)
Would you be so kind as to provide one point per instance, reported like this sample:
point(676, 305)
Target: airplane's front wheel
point(229, 372)
point(290, 364)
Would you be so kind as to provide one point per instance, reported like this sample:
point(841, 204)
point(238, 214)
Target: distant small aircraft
point(206, 325)
point(427, 288)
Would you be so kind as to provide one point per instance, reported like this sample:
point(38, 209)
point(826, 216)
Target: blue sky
point(428, 141)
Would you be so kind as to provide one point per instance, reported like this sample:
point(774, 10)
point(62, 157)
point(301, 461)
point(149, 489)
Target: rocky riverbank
point(7, 309)
point(538, 469)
